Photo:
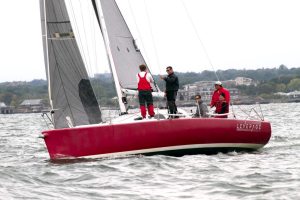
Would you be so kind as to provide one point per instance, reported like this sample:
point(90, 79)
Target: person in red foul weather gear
point(222, 106)
point(218, 90)
point(145, 92)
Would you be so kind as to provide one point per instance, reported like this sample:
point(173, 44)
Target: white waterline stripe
point(181, 147)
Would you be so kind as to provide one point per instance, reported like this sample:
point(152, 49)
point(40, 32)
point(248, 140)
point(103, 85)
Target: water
point(271, 173)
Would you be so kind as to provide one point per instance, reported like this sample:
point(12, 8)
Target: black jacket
point(172, 82)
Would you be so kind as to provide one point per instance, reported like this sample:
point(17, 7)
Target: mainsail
point(124, 50)
point(70, 92)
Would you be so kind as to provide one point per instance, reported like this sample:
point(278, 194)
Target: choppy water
point(272, 173)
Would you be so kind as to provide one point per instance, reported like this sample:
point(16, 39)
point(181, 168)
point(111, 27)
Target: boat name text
point(248, 126)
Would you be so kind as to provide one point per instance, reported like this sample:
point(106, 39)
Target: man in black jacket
point(172, 86)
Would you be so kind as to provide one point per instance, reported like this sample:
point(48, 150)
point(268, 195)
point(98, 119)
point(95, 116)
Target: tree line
point(270, 81)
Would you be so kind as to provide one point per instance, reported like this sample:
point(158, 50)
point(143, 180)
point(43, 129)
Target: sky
point(190, 35)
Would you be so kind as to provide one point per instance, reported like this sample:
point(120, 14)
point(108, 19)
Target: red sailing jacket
point(143, 83)
point(216, 95)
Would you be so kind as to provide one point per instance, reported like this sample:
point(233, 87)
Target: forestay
point(70, 92)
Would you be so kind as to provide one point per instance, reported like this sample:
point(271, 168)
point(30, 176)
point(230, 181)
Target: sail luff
point(110, 58)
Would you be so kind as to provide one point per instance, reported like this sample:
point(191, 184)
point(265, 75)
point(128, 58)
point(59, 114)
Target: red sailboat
point(79, 130)
point(169, 137)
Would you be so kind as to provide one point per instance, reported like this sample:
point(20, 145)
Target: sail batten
point(70, 92)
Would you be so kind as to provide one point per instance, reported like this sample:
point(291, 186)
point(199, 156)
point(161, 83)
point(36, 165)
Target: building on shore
point(205, 89)
point(291, 96)
point(32, 106)
point(4, 109)
point(244, 81)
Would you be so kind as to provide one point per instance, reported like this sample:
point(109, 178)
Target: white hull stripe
point(181, 147)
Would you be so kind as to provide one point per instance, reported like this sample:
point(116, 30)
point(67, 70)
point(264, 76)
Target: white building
point(244, 81)
point(32, 105)
point(292, 95)
point(4, 109)
point(205, 89)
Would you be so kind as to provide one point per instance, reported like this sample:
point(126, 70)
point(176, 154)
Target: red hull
point(157, 137)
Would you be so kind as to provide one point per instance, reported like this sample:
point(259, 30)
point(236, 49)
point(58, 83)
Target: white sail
point(71, 96)
point(124, 51)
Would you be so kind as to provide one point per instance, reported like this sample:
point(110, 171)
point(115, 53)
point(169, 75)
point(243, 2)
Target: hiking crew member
point(144, 88)
point(172, 86)
point(222, 106)
point(218, 90)
point(202, 110)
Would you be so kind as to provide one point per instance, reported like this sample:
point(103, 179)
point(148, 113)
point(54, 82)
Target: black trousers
point(145, 97)
point(171, 98)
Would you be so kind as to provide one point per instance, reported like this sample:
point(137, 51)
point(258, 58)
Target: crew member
point(172, 86)
point(145, 92)
point(202, 110)
point(218, 90)
point(222, 106)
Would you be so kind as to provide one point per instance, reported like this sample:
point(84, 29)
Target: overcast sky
point(236, 34)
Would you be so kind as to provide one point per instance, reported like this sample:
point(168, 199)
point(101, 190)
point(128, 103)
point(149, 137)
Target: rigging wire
point(142, 43)
point(197, 34)
point(93, 21)
point(262, 117)
point(137, 28)
point(85, 36)
point(79, 40)
point(93, 29)
point(248, 114)
point(152, 36)
point(86, 53)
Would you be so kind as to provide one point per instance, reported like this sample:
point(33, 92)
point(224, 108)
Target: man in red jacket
point(145, 92)
point(216, 95)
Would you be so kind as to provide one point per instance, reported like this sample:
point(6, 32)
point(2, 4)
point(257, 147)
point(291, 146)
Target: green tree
point(266, 88)
point(6, 98)
point(282, 68)
point(280, 87)
point(294, 84)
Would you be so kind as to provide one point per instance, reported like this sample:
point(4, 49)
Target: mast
point(102, 25)
point(45, 41)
